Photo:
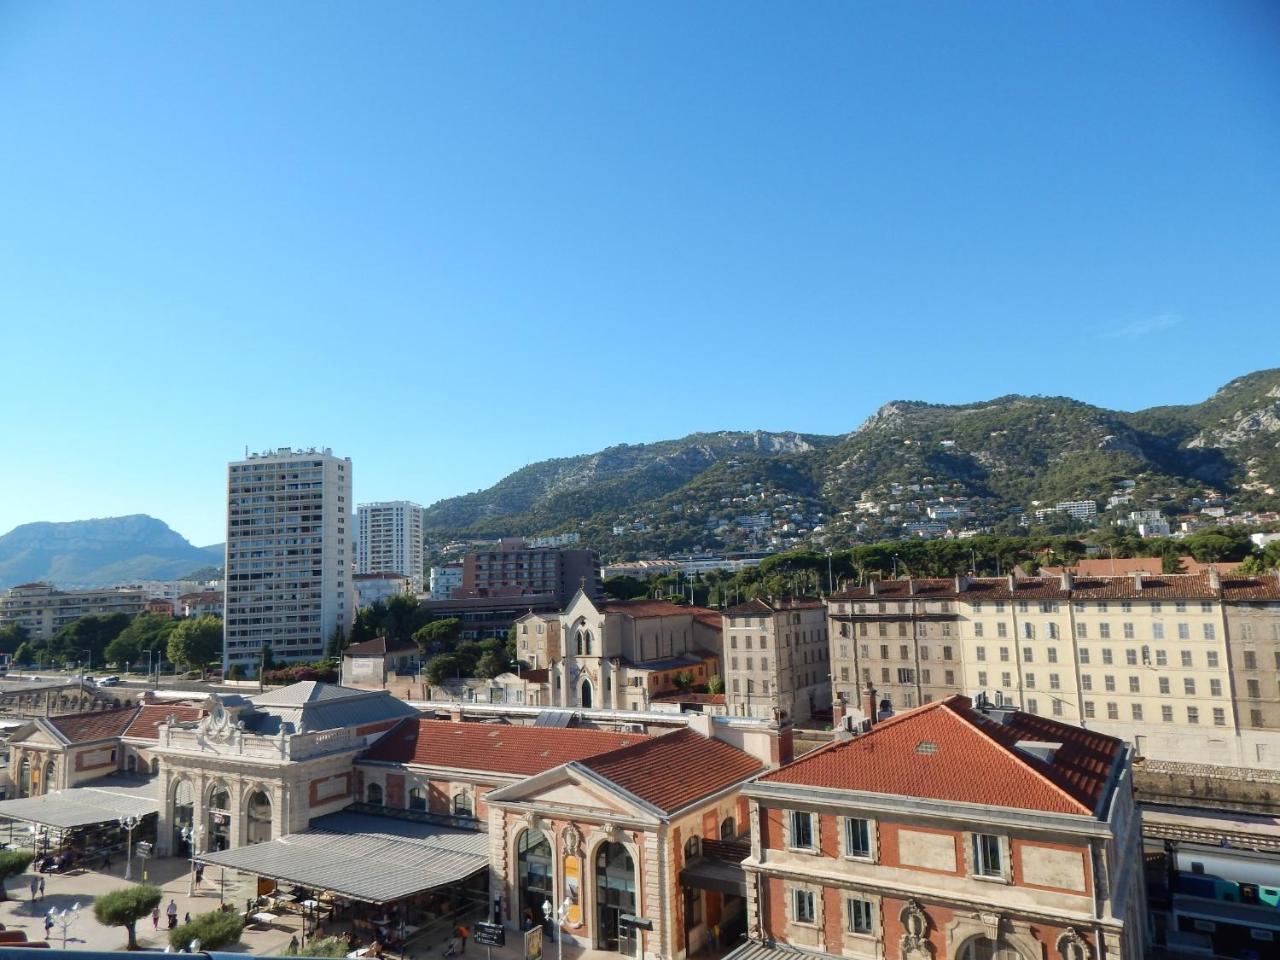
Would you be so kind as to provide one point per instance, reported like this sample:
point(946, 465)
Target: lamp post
point(128, 824)
point(560, 916)
point(192, 834)
point(64, 918)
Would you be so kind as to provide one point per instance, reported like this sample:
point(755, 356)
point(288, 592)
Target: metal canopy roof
point(340, 851)
point(100, 801)
point(705, 873)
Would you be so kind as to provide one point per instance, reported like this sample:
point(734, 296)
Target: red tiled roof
point(521, 751)
point(86, 727)
point(146, 725)
point(642, 609)
point(758, 605)
point(378, 646)
point(949, 751)
point(1192, 586)
point(1236, 588)
point(541, 675)
point(674, 770)
point(710, 618)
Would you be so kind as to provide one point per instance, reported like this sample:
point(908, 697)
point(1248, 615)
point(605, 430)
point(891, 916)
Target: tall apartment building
point(515, 567)
point(1177, 664)
point(777, 658)
point(290, 549)
point(389, 539)
point(43, 609)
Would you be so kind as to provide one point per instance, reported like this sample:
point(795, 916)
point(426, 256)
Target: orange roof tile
point(146, 725)
point(521, 751)
point(642, 609)
point(949, 751)
point(675, 770)
point(86, 727)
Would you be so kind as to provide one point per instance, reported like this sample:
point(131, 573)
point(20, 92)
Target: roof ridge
point(1037, 766)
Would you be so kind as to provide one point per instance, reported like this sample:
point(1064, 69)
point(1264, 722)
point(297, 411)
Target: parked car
point(109, 682)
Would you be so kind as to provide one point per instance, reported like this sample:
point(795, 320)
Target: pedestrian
point(155, 917)
point(199, 874)
point(106, 862)
point(35, 885)
point(463, 933)
point(48, 926)
point(172, 911)
point(293, 945)
point(42, 888)
point(186, 917)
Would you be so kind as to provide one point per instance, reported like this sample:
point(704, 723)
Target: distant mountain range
point(1000, 455)
point(100, 552)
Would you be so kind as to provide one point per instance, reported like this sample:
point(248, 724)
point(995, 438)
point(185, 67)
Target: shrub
point(213, 929)
point(124, 908)
point(326, 947)
point(12, 863)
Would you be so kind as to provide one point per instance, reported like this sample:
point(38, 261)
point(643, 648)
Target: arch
point(418, 799)
point(586, 694)
point(47, 782)
point(983, 947)
point(373, 794)
point(615, 889)
point(218, 828)
point(533, 875)
point(582, 643)
point(728, 829)
point(24, 776)
point(257, 811)
point(183, 797)
point(462, 806)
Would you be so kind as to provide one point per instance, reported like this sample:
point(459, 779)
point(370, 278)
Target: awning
point(721, 876)
point(101, 801)
point(364, 857)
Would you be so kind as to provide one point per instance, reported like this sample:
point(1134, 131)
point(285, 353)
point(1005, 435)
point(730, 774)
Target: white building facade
point(389, 539)
point(290, 549)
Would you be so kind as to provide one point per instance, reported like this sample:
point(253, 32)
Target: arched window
point(728, 829)
point(462, 805)
point(373, 794)
point(615, 896)
point(418, 799)
point(184, 803)
point(585, 697)
point(50, 775)
point(219, 826)
point(692, 847)
point(533, 868)
point(24, 777)
point(259, 817)
point(984, 948)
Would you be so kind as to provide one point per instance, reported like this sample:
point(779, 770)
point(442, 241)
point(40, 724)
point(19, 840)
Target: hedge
point(214, 929)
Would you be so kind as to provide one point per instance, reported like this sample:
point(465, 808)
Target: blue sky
point(449, 240)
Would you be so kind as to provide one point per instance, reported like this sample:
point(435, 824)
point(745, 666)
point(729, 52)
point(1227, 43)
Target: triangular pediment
point(572, 788)
point(35, 735)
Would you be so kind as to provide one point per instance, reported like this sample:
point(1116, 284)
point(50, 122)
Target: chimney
point(1011, 583)
point(1066, 579)
point(701, 723)
point(1137, 579)
point(839, 707)
point(869, 703)
point(871, 587)
point(1215, 578)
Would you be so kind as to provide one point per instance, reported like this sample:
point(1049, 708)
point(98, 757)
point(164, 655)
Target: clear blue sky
point(449, 240)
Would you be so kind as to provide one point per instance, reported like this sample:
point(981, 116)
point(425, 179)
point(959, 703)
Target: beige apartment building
point(777, 658)
point(538, 639)
point(1179, 665)
point(43, 609)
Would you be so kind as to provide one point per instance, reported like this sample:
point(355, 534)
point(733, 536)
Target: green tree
point(337, 643)
point(334, 947)
point(490, 665)
point(442, 667)
point(439, 635)
point(146, 631)
point(715, 684)
point(626, 588)
point(197, 642)
point(124, 908)
point(12, 863)
point(89, 634)
point(214, 929)
point(26, 653)
point(12, 636)
point(684, 681)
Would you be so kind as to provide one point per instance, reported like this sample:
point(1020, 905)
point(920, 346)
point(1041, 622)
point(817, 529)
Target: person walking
point(48, 926)
point(42, 888)
point(172, 912)
point(463, 933)
point(35, 886)
point(155, 917)
point(106, 862)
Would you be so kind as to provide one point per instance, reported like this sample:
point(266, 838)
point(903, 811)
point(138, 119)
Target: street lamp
point(128, 824)
point(560, 916)
point(64, 919)
point(192, 834)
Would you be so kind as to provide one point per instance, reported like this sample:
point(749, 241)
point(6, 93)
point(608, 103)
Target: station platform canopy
point(96, 802)
point(363, 857)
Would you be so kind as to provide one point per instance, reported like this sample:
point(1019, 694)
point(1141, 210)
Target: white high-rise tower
point(389, 539)
point(290, 546)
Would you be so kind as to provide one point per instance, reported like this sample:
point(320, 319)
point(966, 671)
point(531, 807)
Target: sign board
point(533, 943)
point(572, 880)
point(490, 934)
point(143, 848)
point(634, 922)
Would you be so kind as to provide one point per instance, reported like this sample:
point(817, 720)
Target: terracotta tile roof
point(949, 751)
point(86, 727)
point(378, 646)
point(520, 751)
point(146, 725)
point(1182, 586)
point(643, 609)
point(675, 770)
point(710, 618)
point(757, 606)
point(1142, 586)
point(1237, 588)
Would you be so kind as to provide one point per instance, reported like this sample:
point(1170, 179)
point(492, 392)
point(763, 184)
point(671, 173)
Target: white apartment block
point(43, 609)
point(389, 539)
point(290, 550)
point(445, 580)
point(1180, 665)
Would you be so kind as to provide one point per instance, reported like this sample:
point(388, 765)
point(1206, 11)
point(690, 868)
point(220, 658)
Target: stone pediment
point(34, 735)
point(577, 791)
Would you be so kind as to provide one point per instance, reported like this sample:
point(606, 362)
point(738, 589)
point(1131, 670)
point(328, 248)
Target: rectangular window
point(1209, 633)
point(1166, 713)
point(1002, 629)
point(1113, 711)
point(1032, 706)
point(982, 678)
point(857, 837)
point(1215, 688)
point(1131, 657)
point(1193, 714)
point(1027, 654)
point(1186, 658)
point(977, 629)
point(1254, 688)
point(1053, 654)
point(1057, 708)
point(1189, 686)
point(801, 830)
point(1088, 709)
point(1184, 631)
point(1084, 654)
point(987, 857)
point(1055, 682)
point(1219, 717)
point(1212, 659)
point(1164, 685)
point(1104, 631)
point(1137, 711)
point(859, 915)
point(1162, 658)
point(1082, 631)
point(1109, 682)
point(1106, 655)
point(980, 653)
point(804, 906)
point(1135, 685)
point(950, 678)
point(1086, 681)
point(1157, 631)
point(1250, 660)
point(1029, 681)
point(1128, 631)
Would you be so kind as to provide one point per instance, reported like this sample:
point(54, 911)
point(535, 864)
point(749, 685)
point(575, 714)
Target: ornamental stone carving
point(915, 930)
